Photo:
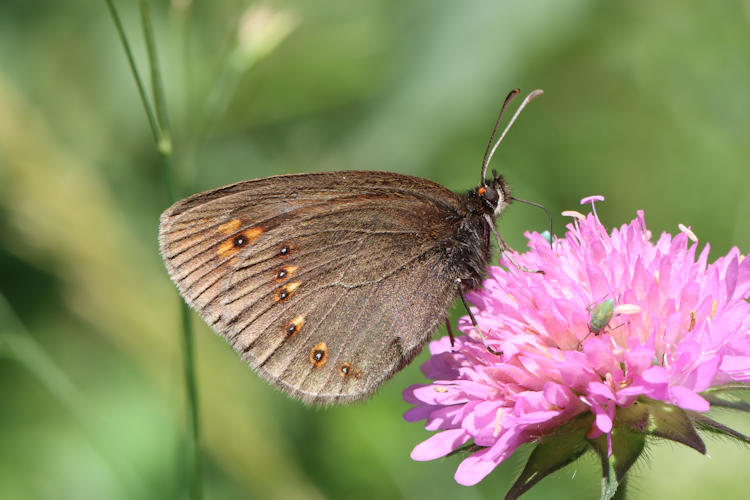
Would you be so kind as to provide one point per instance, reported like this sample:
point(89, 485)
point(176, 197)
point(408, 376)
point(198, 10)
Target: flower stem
point(160, 129)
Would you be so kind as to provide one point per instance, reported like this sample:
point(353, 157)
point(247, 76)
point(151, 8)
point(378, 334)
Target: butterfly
point(327, 284)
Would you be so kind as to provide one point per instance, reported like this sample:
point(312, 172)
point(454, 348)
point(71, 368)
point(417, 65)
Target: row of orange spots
point(319, 355)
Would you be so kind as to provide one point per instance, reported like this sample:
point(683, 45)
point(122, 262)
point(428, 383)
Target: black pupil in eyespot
point(291, 329)
point(284, 294)
point(344, 369)
point(318, 355)
point(281, 273)
point(239, 241)
point(284, 250)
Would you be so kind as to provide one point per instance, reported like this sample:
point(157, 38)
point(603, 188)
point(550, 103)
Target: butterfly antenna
point(489, 153)
point(485, 161)
point(538, 205)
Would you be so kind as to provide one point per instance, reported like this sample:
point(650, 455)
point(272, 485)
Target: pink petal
point(601, 390)
point(688, 400)
point(736, 365)
point(559, 395)
point(439, 445)
point(743, 279)
point(408, 394)
point(438, 394)
point(602, 420)
point(655, 375)
point(447, 417)
point(600, 356)
point(418, 413)
point(474, 468)
point(638, 359)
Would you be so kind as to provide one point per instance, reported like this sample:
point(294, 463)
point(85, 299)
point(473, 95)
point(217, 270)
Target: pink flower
point(679, 326)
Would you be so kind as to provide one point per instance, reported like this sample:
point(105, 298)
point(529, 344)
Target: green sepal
point(552, 453)
point(728, 401)
point(707, 424)
point(664, 421)
point(722, 396)
point(731, 386)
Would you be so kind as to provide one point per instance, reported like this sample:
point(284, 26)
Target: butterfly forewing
point(326, 283)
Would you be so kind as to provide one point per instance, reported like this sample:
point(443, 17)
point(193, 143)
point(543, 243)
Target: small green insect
point(600, 316)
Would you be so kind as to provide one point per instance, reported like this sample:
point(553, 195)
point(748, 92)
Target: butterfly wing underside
point(325, 283)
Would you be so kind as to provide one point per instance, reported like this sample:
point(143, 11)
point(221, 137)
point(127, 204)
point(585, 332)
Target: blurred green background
point(646, 103)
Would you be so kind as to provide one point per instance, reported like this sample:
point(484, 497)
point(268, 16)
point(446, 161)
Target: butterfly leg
point(505, 248)
point(474, 320)
point(450, 331)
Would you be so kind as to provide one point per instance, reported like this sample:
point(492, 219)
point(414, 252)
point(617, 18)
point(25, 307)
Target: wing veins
point(257, 262)
point(304, 272)
point(312, 330)
point(374, 188)
point(289, 214)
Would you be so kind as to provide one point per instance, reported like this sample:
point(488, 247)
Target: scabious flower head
point(615, 320)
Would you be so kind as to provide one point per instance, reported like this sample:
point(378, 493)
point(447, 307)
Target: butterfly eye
point(489, 194)
point(319, 355)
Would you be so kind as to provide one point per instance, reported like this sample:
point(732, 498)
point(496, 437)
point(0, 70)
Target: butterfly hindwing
point(326, 283)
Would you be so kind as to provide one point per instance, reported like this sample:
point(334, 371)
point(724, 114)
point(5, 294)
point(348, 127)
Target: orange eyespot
point(294, 326)
point(286, 291)
point(233, 244)
point(319, 355)
point(285, 272)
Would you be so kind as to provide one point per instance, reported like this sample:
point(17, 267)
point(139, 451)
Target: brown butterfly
point(329, 283)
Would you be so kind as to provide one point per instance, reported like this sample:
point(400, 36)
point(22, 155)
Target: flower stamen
point(689, 232)
point(692, 321)
point(574, 214)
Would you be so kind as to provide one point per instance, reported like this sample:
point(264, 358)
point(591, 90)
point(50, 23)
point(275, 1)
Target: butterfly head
point(495, 194)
